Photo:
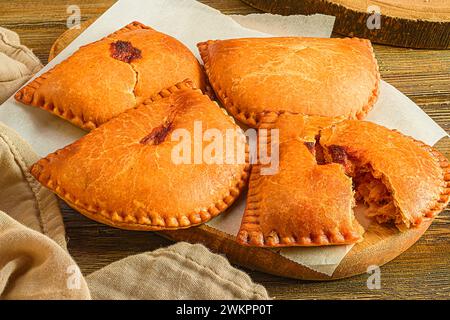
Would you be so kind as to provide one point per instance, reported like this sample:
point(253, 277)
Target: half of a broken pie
point(107, 77)
point(402, 180)
point(143, 171)
point(325, 165)
point(312, 76)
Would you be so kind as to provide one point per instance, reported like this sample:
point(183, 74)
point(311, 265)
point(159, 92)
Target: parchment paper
point(192, 22)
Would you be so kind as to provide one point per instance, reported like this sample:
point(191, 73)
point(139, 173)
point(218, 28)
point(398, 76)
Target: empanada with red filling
point(402, 180)
point(306, 203)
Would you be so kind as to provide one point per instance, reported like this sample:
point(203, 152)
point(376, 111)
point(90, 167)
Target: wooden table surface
point(422, 272)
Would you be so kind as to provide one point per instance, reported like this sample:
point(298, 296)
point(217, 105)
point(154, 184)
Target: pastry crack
point(136, 80)
point(124, 51)
point(369, 186)
point(158, 134)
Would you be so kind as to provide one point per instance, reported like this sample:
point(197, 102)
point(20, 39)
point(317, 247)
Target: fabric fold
point(182, 271)
point(21, 196)
point(17, 63)
point(32, 266)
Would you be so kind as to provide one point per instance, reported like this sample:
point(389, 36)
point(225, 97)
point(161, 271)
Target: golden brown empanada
point(312, 76)
point(123, 173)
point(107, 77)
point(309, 201)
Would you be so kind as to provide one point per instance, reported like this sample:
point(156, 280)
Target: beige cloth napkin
point(32, 266)
point(182, 271)
point(34, 262)
point(17, 63)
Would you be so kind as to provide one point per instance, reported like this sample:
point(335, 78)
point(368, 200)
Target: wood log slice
point(404, 23)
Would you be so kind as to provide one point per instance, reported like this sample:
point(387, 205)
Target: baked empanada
point(312, 76)
point(309, 201)
point(124, 173)
point(107, 77)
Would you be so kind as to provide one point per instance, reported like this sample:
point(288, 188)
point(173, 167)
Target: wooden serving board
point(405, 23)
point(381, 244)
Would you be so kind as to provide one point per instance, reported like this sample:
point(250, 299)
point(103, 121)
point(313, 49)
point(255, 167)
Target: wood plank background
point(422, 272)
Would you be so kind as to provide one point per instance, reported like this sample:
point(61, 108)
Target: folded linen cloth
point(34, 261)
point(17, 63)
point(32, 266)
point(184, 271)
point(21, 196)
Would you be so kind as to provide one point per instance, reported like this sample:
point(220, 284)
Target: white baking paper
point(317, 25)
point(192, 22)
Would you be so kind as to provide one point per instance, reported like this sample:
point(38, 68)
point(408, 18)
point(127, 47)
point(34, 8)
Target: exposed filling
point(124, 51)
point(159, 134)
point(316, 150)
point(373, 192)
point(369, 188)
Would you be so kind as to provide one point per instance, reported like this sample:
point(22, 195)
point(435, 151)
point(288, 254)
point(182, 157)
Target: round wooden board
point(404, 23)
point(380, 245)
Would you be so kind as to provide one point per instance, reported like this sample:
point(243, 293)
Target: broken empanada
point(309, 201)
point(127, 173)
point(107, 77)
point(402, 180)
point(311, 76)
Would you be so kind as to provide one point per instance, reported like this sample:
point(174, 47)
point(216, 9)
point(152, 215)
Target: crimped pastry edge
point(444, 197)
point(252, 118)
point(129, 222)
